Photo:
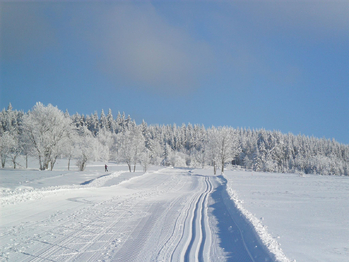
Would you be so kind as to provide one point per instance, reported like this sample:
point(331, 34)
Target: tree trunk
point(45, 166)
point(26, 161)
point(129, 167)
point(53, 161)
point(134, 168)
point(82, 163)
point(69, 162)
point(47, 160)
point(214, 167)
point(40, 162)
point(3, 161)
point(14, 162)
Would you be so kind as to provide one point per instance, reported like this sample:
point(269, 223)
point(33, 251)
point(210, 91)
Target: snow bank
point(267, 239)
point(26, 193)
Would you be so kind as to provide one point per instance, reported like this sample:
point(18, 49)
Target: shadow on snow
point(237, 236)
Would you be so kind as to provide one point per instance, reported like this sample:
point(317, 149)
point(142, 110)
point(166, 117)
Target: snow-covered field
point(170, 214)
point(308, 215)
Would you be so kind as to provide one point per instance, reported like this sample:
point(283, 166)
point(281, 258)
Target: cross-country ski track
point(165, 215)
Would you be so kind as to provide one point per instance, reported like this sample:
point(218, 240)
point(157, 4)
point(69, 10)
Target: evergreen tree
point(103, 122)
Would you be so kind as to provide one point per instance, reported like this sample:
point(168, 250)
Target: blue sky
point(278, 65)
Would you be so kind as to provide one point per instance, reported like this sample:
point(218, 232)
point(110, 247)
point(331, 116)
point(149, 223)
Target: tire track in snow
point(185, 218)
point(164, 219)
point(199, 223)
point(145, 241)
point(83, 236)
point(205, 224)
point(88, 233)
point(192, 203)
point(178, 223)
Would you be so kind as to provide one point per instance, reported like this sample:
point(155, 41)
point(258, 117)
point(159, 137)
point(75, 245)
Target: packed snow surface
point(169, 214)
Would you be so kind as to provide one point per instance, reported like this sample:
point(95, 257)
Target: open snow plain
point(308, 215)
point(169, 214)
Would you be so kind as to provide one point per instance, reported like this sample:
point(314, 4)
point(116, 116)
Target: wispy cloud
point(131, 44)
point(140, 49)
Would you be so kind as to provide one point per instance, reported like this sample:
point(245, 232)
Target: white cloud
point(128, 42)
point(140, 49)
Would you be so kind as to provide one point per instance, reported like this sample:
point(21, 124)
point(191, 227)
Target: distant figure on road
point(106, 168)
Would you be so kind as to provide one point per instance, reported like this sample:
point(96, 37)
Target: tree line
point(48, 134)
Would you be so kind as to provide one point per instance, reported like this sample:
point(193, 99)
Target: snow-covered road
point(165, 215)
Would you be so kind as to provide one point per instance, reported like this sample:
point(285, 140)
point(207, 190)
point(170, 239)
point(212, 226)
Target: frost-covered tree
point(26, 148)
point(111, 124)
point(223, 144)
point(167, 153)
point(105, 139)
point(7, 144)
point(85, 145)
point(45, 128)
point(258, 160)
point(10, 146)
point(69, 149)
point(125, 152)
point(153, 144)
point(177, 159)
point(145, 159)
point(213, 148)
point(131, 146)
point(199, 155)
point(120, 122)
point(103, 122)
point(15, 150)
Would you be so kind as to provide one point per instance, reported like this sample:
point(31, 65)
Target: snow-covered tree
point(69, 149)
point(111, 124)
point(45, 128)
point(177, 159)
point(7, 145)
point(103, 122)
point(131, 146)
point(10, 146)
point(105, 139)
point(145, 159)
point(85, 145)
point(167, 153)
point(258, 160)
point(223, 144)
point(213, 148)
